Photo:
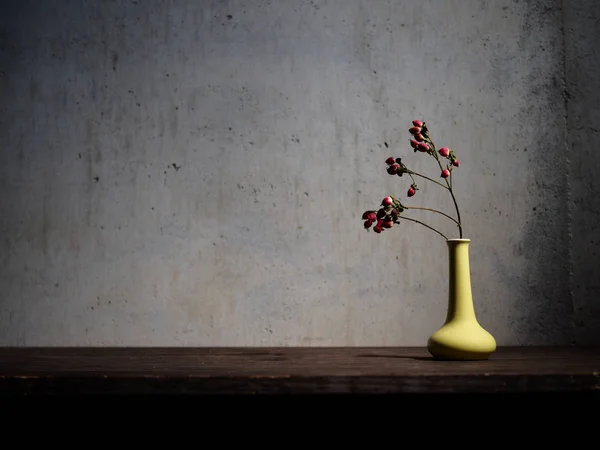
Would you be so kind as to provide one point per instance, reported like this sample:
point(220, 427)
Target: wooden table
point(388, 370)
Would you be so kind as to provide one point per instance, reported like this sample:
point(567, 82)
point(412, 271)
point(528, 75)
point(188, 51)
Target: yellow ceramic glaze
point(461, 337)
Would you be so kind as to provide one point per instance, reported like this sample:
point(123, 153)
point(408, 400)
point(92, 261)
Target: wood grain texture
point(292, 370)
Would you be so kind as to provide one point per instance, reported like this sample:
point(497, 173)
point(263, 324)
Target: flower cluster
point(422, 143)
point(384, 217)
point(391, 208)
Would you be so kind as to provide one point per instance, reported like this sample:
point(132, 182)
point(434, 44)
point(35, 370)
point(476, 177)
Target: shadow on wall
point(562, 242)
point(544, 312)
point(582, 68)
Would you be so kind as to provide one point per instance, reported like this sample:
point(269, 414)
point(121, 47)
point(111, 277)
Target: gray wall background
point(194, 172)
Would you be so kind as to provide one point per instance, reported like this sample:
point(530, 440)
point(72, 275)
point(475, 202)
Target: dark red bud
point(368, 223)
point(455, 162)
point(387, 201)
point(365, 215)
point(381, 213)
point(415, 130)
point(410, 192)
point(393, 169)
point(445, 173)
point(423, 147)
point(413, 143)
point(377, 229)
point(419, 137)
point(390, 160)
point(444, 151)
point(417, 123)
point(372, 217)
point(388, 224)
point(380, 222)
point(394, 213)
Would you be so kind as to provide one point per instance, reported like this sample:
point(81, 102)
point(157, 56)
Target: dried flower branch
point(391, 208)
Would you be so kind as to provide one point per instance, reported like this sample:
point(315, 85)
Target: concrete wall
point(582, 42)
point(194, 172)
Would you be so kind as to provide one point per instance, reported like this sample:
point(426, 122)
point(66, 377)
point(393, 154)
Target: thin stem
point(425, 225)
point(437, 158)
point(427, 178)
point(449, 185)
point(435, 211)
point(460, 230)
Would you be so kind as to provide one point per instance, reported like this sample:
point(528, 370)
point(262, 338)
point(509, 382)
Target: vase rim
point(458, 240)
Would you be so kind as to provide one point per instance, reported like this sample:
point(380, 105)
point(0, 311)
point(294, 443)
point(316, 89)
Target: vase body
point(461, 337)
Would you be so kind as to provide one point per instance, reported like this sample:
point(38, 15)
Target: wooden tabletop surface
point(292, 370)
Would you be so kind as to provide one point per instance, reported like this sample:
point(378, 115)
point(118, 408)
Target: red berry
point(377, 229)
point(372, 217)
point(394, 213)
point(387, 201)
point(423, 147)
point(445, 173)
point(415, 130)
point(381, 213)
point(368, 223)
point(380, 223)
point(444, 151)
point(410, 192)
point(455, 162)
point(413, 143)
point(365, 215)
point(388, 224)
point(393, 169)
point(419, 137)
point(417, 123)
point(390, 160)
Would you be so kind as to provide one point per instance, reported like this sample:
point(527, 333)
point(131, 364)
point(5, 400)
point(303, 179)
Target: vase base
point(444, 353)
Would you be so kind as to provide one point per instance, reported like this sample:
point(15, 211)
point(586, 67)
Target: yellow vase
point(461, 337)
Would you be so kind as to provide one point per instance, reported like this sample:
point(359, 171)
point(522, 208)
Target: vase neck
point(460, 298)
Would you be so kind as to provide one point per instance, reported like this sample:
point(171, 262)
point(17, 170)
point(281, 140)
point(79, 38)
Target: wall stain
point(115, 61)
point(174, 122)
